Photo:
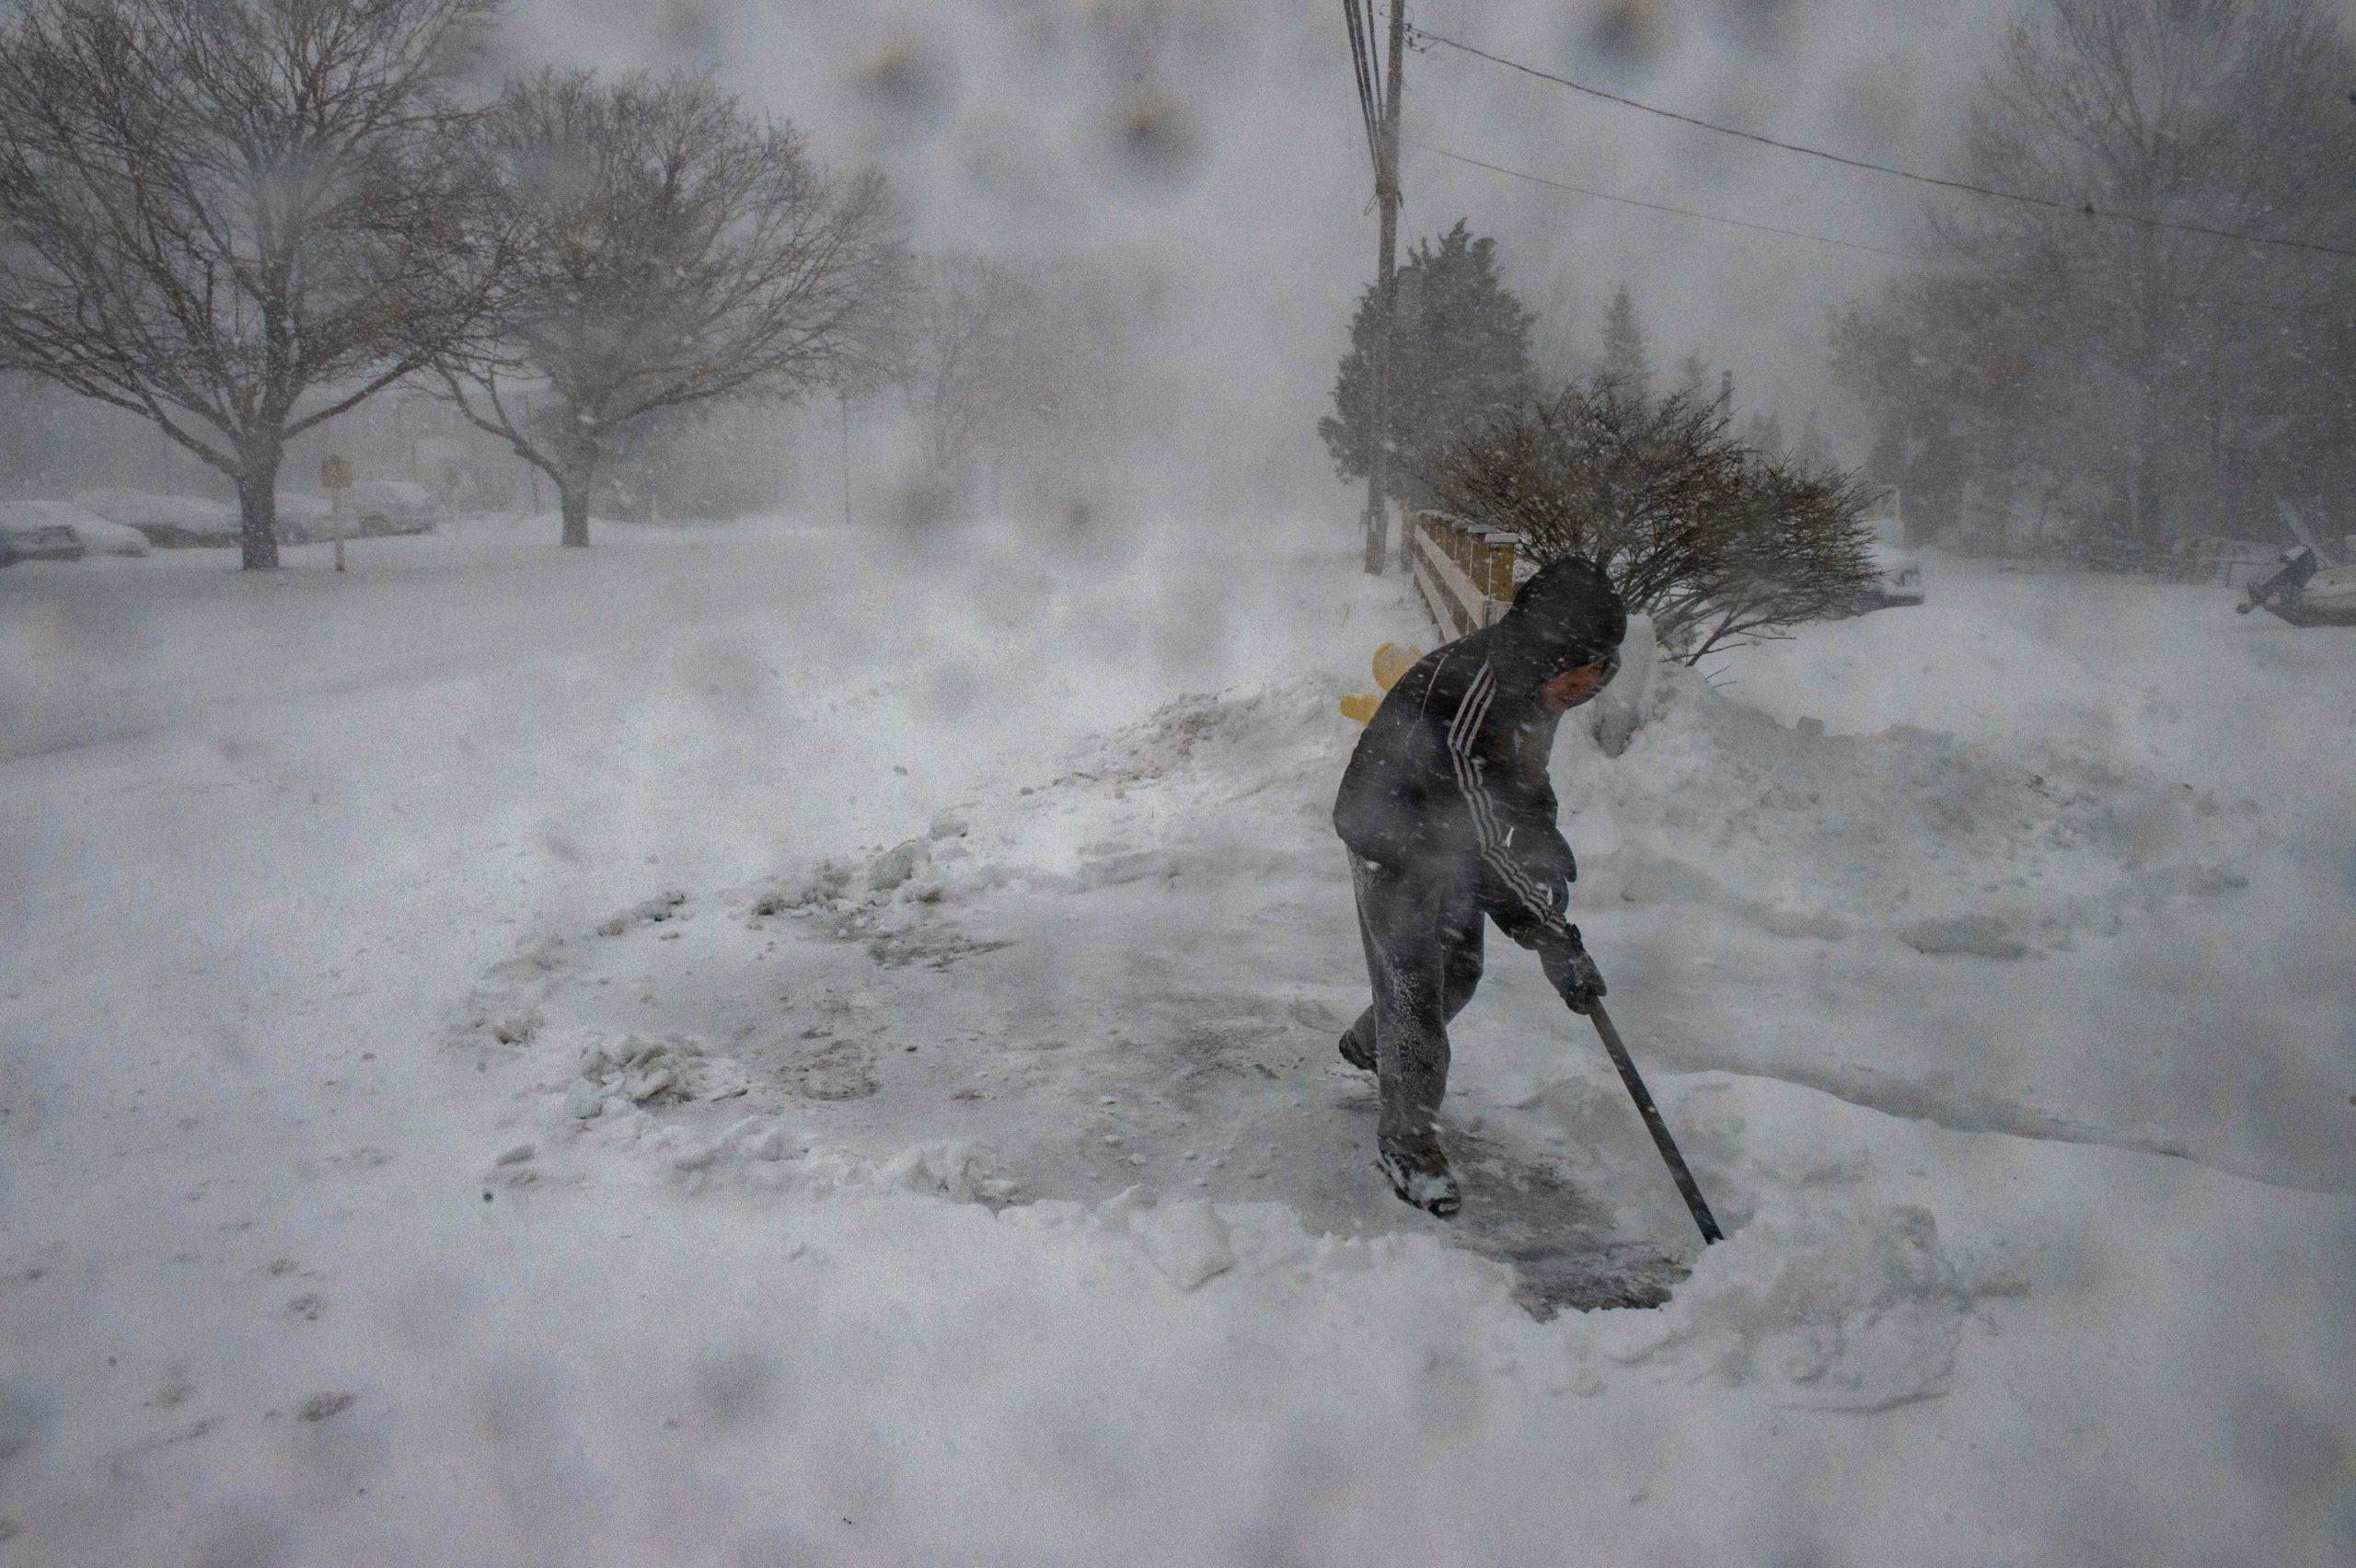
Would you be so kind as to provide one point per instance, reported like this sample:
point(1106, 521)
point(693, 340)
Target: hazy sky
point(1217, 148)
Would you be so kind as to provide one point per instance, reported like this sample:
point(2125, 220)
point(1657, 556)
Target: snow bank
point(1951, 846)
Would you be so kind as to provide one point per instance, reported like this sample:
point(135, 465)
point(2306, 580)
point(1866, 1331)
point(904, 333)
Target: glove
point(1574, 975)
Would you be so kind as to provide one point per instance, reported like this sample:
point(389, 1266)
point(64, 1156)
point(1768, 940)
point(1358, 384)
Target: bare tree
point(673, 250)
point(236, 218)
point(2182, 375)
point(1713, 539)
point(979, 370)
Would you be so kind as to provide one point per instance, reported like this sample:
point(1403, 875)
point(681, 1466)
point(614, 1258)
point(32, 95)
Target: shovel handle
point(1654, 1125)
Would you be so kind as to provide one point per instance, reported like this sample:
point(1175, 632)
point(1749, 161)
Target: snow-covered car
point(1898, 578)
point(170, 521)
point(23, 539)
point(370, 509)
point(59, 530)
point(1898, 571)
point(391, 506)
point(309, 519)
point(2303, 590)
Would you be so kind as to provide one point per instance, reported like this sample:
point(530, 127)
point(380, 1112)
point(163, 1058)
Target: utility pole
point(1379, 97)
point(1386, 191)
point(843, 398)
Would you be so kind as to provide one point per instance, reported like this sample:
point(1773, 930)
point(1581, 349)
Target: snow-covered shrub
point(1713, 539)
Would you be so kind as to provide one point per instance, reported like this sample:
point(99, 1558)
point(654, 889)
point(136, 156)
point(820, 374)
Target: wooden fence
point(1464, 573)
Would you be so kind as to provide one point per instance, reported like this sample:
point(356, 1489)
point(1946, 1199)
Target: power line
point(2085, 209)
point(1662, 207)
point(1680, 212)
point(1362, 63)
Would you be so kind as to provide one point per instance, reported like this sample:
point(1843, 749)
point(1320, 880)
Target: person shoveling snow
point(1448, 817)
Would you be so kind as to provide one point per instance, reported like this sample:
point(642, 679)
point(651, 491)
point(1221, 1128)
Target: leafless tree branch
point(672, 250)
point(236, 218)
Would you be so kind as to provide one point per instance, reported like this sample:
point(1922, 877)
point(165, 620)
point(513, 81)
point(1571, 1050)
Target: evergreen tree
point(1886, 464)
point(1811, 452)
point(1692, 378)
point(1623, 347)
point(1462, 354)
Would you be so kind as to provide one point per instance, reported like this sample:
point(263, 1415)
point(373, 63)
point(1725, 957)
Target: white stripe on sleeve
point(1494, 843)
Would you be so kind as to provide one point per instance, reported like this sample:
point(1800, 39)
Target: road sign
point(335, 474)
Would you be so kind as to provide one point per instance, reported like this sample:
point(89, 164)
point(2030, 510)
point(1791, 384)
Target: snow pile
point(1190, 787)
point(1947, 845)
point(889, 899)
point(1242, 740)
point(856, 891)
point(669, 1070)
point(1848, 1305)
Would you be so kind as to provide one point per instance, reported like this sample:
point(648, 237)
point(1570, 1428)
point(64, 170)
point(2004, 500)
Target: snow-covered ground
point(763, 1046)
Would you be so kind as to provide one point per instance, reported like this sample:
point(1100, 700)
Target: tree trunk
point(573, 499)
point(258, 511)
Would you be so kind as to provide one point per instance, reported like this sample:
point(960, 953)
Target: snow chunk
point(897, 864)
point(954, 1169)
point(665, 905)
point(652, 1072)
point(1982, 936)
point(1858, 1309)
point(1187, 1242)
point(1621, 708)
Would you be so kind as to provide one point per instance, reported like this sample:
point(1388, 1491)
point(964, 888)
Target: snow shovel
point(1654, 1125)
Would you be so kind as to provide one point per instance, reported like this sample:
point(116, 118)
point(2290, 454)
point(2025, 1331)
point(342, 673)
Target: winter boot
point(1422, 1178)
point(1358, 1055)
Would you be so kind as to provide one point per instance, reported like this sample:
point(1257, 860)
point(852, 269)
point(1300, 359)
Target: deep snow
point(759, 1044)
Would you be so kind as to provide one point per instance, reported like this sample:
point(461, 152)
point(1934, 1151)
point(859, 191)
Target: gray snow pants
point(1423, 937)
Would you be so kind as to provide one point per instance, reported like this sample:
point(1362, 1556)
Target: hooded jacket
point(1449, 779)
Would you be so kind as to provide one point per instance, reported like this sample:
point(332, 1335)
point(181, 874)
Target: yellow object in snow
point(1391, 661)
